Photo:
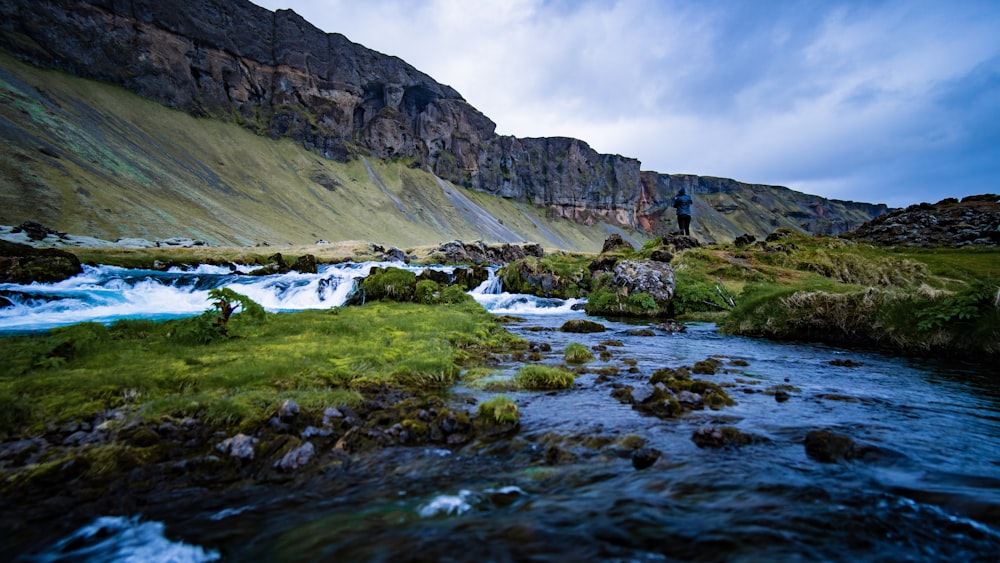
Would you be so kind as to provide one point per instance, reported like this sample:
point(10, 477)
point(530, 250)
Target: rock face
point(279, 76)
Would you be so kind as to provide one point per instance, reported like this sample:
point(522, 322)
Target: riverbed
point(565, 487)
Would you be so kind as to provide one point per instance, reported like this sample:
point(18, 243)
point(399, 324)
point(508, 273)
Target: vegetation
point(538, 377)
point(238, 379)
point(499, 410)
point(577, 353)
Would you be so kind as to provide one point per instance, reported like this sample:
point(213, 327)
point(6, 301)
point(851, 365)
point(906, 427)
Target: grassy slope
point(92, 159)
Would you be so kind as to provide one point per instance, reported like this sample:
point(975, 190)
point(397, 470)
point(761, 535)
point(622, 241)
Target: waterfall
point(492, 286)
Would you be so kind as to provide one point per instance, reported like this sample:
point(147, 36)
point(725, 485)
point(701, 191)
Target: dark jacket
point(683, 203)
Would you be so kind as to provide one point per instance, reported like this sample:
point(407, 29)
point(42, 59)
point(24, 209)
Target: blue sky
point(881, 102)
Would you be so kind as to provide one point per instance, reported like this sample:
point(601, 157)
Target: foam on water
point(120, 539)
point(105, 294)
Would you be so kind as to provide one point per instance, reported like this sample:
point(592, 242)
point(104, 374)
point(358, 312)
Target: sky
point(894, 102)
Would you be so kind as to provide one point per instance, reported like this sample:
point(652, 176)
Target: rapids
point(562, 488)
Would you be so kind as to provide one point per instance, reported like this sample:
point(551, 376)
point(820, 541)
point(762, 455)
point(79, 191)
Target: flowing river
point(928, 487)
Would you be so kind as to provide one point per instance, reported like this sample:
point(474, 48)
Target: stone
point(296, 458)
point(719, 437)
point(23, 264)
point(826, 446)
point(644, 458)
point(616, 242)
point(239, 446)
point(289, 409)
point(582, 326)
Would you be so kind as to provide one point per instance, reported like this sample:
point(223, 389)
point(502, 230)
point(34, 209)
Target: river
point(928, 487)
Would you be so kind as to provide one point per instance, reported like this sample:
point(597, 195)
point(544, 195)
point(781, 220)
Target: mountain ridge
point(278, 76)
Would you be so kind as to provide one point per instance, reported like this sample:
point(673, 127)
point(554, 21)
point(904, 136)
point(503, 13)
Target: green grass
point(317, 358)
point(500, 410)
point(577, 353)
point(538, 377)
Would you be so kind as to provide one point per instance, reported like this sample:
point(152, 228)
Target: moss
point(499, 410)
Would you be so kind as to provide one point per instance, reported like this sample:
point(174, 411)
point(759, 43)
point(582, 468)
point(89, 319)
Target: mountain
point(230, 62)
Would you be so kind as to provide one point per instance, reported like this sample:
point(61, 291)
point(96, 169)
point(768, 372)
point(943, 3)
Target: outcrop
point(22, 264)
point(277, 75)
point(973, 221)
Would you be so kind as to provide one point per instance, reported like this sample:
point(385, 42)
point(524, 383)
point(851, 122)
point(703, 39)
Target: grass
point(317, 358)
point(537, 377)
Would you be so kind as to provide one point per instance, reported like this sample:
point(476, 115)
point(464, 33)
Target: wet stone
point(645, 457)
point(296, 458)
point(239, 446)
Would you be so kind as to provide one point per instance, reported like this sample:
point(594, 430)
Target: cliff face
point(278, 75)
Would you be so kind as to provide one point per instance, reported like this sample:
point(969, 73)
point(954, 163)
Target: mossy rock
point(582, 326)
point(23, 264)
point(392, 284)
point(540, 377)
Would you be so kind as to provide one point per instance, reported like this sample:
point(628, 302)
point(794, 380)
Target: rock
point(645, 457)
point(36, 231)
point(582, 326)
point(616, 242)
point(305, 264)
point(296, 458)
point(660, 255)
point(640, 332)
point(289, 409)
point(688, 398)
point(846, 363)
point(973, 221)
point(718, 437)
point(23, 264)
point(781, 395)
point(181, 242)
point(744, 240)
point(642, 288)
point(479, 253)
point(829, 447)
point(239, 446)
point(135, 243)
point(671, 327)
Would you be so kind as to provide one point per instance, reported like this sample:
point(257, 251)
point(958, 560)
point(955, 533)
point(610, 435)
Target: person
point(682, 203)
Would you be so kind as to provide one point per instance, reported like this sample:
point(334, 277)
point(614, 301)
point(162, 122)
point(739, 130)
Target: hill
point(353, 115)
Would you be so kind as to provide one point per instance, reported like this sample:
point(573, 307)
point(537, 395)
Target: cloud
point(872, 101)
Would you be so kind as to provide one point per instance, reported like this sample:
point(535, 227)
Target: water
point(561, 489)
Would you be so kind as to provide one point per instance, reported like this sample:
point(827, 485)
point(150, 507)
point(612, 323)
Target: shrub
point(539, 377)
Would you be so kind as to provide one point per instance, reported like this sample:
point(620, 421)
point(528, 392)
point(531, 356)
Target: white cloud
point(893, 102)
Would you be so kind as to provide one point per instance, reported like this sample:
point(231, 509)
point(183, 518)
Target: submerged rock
point(719, 437)
point(830, 447)
point(645, 457)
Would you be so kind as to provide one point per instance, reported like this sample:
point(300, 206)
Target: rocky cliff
point(279, 76)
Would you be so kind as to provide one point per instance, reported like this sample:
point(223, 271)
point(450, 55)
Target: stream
point(564, 488)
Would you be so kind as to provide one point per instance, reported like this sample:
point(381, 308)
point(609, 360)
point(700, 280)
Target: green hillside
point(93, 159)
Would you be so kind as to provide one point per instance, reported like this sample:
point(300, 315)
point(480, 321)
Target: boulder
point(582, 326)
point(616, 242)
point(23, 264)
point(830, 447)
point(639, 288)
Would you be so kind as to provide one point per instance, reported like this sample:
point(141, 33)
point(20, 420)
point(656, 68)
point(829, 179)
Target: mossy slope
point(92, 159)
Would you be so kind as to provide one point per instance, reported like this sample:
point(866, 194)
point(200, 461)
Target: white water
point(105, 294)
point(119, 539)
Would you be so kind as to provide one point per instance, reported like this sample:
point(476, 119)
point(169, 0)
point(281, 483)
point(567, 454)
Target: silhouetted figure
point(682, 203)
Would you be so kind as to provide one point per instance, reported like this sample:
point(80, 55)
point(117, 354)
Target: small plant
point(577, 353)
point(500, 410)
point(226, 302)
point(539, 377)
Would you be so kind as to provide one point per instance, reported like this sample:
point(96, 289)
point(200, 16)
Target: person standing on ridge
point(682, 203)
